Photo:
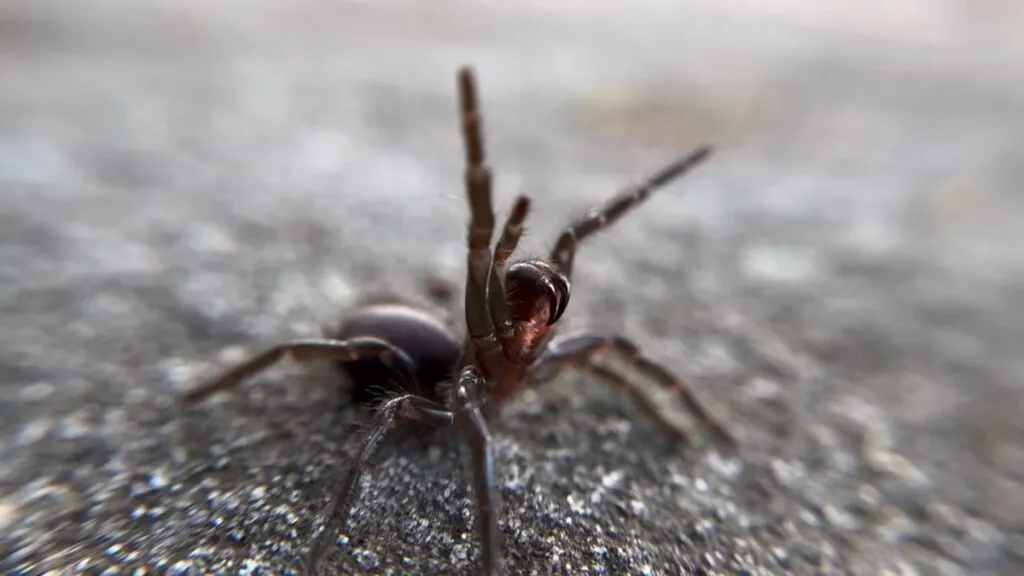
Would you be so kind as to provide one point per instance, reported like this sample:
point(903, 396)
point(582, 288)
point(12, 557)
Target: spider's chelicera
point(511, 308)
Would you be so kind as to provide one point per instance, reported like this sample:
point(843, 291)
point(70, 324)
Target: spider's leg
point(471, 421)
point(479, 326)
point(579, 351)
point(404, 409)
point(306, 350)
point(564, 252)
point(641, 399)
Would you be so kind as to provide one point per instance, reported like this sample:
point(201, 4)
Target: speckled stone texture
point(182, 183)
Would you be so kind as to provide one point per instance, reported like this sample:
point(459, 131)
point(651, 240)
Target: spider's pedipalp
point(497, 294)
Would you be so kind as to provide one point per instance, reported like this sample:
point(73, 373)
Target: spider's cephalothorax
point(414, 370)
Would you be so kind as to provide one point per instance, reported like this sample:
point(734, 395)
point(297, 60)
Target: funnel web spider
point(511, 309)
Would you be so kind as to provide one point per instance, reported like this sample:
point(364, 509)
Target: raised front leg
point(479, 326)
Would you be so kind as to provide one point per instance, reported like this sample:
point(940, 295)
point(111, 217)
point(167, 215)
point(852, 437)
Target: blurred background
point(844, 279)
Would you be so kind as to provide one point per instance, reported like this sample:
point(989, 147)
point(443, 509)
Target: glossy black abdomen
point(424, 338)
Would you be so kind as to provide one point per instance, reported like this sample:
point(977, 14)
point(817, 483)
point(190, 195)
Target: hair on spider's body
point(413, 369)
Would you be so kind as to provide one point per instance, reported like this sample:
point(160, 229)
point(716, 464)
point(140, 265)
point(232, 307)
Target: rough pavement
point(184, 182)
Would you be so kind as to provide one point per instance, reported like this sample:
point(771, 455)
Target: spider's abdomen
point(424, 338)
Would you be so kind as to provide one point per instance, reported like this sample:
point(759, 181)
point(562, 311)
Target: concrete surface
point(181, 182)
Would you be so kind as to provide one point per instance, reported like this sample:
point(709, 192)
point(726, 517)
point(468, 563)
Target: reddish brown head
point(537, 296)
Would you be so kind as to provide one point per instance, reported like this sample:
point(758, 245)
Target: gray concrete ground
point(181, 182)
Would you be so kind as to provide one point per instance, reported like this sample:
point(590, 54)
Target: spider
point(414, 371)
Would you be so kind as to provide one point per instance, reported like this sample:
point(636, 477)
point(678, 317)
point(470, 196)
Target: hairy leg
point(405, 409)
point(641, 399)
point(306, 350)
point(470, 419)
point(579, 350)
point(479, 326)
